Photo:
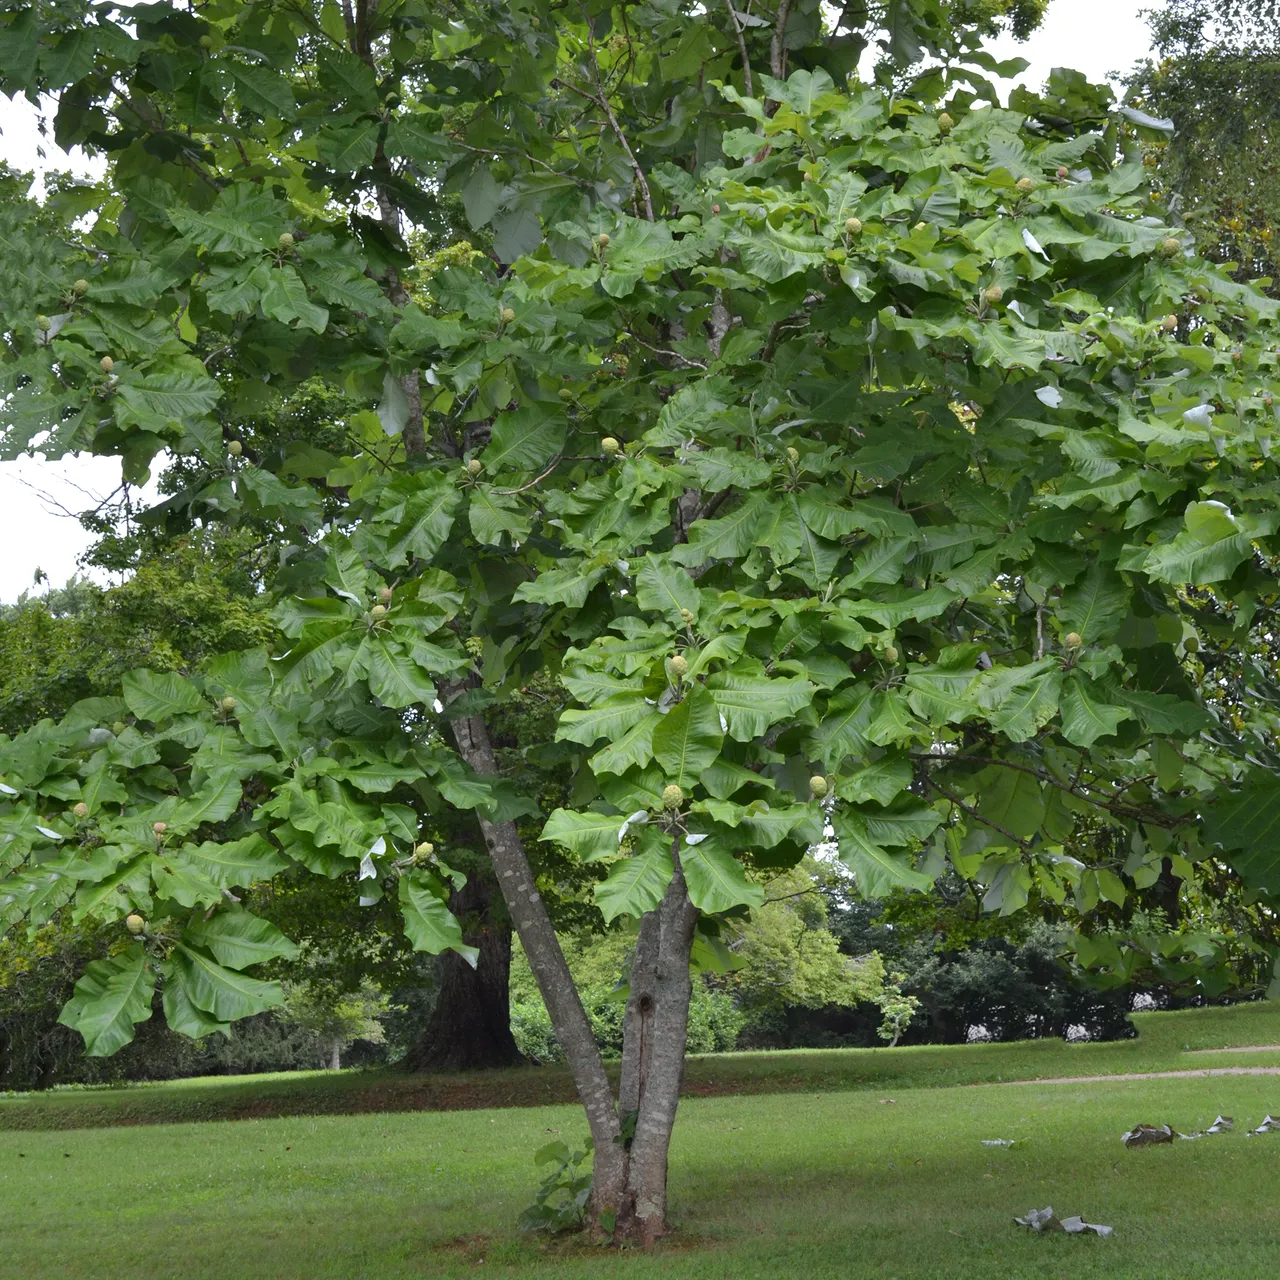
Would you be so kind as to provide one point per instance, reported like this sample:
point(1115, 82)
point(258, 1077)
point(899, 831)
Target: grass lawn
point(1166, 1042)
point(808, 1182)
point(803, 1184)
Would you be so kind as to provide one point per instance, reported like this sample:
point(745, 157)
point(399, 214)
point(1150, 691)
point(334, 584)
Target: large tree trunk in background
point(470, 1029)
point(335, 1056)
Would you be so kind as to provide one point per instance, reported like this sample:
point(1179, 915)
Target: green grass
point(1162, 1045)
point(814, 1185)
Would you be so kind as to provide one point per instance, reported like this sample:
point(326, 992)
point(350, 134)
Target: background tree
point(1213, 75)
point(833, 448)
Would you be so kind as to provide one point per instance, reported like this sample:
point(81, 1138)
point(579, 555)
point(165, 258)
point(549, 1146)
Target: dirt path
point(1147, 1075)
point(1248, 1048)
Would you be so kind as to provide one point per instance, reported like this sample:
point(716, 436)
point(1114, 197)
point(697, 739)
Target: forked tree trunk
point(632, 1135)
point(470, 1028)
point(655, 1029)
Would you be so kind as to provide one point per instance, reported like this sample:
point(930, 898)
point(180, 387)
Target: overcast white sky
point(1097, 37)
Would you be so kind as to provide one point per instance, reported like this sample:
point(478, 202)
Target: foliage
point(561, 1200)
point(599, 966)
point(335, 1017)
point(896, 1008)
point(196, 599)
point(833, 450)
point(786, 956)
point(1213, 76)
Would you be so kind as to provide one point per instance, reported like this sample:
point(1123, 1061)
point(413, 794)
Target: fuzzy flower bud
point(678, 666)
point(1170, 246)
point(853, 225)
point(818, 786)
point(159, 827)
point(945, 122)
point(672, 797)
point(992, 294)
point(228, 704)
point(81, 811)
point(286, 240)
point(135, 924)
point(1025, 186)
point(235, 448)
point(1169, 323)
point(475, 467)
point(384, 596)
point(508, 315)
point(378, 612)
point(107, 364)
point(80, 288)
point(610, 447)
point(891, 654)
point(1073, 640)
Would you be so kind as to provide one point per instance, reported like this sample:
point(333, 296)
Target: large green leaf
point(1211, 546)
point(110, 998)
point(221, 992)
point(687, 739)
point(238, 939)
point(609, 719)
point(428, 922)
point(752, 704)
point(1095, 605)
point(180, 1011)
point(876, 871)
point(236, 863)
point(666, 588)
point(1247, 824)
point(1086, 716)
point(160, 695)
point(217, 800)
point(525, 439)
point(636, 884)
point(590, 835)
point(715, 878)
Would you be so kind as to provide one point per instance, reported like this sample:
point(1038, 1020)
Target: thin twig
point(973, 813)
point(555, 462)
point(674, 355)
point(742, 48)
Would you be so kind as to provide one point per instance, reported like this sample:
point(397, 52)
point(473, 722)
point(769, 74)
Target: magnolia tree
point(847, 455)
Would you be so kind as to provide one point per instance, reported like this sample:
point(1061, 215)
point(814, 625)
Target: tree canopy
point(845, 452)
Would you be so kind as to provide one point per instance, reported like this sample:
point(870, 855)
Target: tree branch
point(742, 48)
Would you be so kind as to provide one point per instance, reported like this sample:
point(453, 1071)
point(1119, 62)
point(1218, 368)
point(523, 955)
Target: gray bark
point(335, 1056)
point(546, 959)
point(655, 1031)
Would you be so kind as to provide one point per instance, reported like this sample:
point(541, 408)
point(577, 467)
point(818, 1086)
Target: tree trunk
point(655, 1031)
point(632, 1137)
point(335, 1056)
point(470, 1029)
point(560, 995)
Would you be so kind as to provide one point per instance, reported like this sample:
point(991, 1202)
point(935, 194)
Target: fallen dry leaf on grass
point(1148, 1135)
point(1044, 1220)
